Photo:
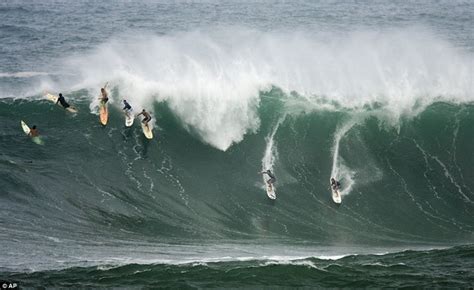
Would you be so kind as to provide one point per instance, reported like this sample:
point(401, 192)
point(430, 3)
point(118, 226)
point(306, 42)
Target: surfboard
point(147, 131)
point(103, 114)
point(270, 191)
point(336, 195)
point(27, 130)
point(25, 127)
point(54, 99)
point(129, 118)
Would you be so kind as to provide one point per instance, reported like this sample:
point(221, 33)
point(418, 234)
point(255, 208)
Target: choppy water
point(378, 94)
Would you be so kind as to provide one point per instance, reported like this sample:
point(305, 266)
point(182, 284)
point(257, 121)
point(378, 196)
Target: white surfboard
point(27, 130)
point(270, 191)
point(147, 131)
point(336, 195)
point(54, 99)
point(129, 118)
point(25, 127)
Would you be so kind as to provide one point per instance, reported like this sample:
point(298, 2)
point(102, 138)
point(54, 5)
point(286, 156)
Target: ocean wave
point(23, 74)
point(213, 82)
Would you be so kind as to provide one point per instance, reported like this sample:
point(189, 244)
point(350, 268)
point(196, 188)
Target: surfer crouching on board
point(62, 101)
point(335, 184)
point(146, 116)
point(127, 106)
point(104, 97)
point(33, 132)
point(272, 177)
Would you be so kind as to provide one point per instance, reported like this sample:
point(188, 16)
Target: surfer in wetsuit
point(335, 184)
point(272, 177)
point(146, 116)
point(33, 132)
point(127, 106)
point(62, 101)
point(104, 96)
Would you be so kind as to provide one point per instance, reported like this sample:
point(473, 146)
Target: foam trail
point(339, 171)
point(268, 160)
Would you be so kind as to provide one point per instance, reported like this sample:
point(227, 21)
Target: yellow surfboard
point(103, 114)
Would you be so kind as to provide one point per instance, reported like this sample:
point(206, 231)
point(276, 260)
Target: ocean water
point(379, 94)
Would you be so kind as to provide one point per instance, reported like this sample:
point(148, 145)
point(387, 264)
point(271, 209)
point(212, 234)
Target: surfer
point(62, 101)
point(104, 97)
point(146, 118)
point(33, 132)
point(272, 177)
point(335, 184)
point(127, 106)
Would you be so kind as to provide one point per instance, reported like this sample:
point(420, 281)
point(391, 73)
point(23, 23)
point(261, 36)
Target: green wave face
point(400, 184)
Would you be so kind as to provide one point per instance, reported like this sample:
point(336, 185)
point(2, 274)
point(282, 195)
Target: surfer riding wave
point(272, 179)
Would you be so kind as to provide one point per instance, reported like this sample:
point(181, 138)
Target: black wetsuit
point(272, 177)
point(127, 106)
point(335, 185)
point(63, 102)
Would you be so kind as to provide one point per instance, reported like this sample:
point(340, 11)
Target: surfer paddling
point(272, 177)
point(146, 117)
point(33, 132)
point(62, 101)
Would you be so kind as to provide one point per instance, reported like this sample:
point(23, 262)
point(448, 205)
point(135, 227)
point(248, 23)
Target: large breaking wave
point(389, 113)
point(212, 79)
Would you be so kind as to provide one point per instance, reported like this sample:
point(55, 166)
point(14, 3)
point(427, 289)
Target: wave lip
point(213, 82)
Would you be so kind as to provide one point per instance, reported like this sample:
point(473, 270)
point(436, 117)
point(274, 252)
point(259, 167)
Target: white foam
point(339, 170)
point(271, 153)
point(23, 74)
point(212, 79)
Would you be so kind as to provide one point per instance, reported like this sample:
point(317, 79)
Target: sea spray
point(213, 82)
point(339, 170)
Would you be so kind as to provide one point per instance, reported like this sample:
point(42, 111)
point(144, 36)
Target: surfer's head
point(34, 127)
point(60, 94)
point(333, 180)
